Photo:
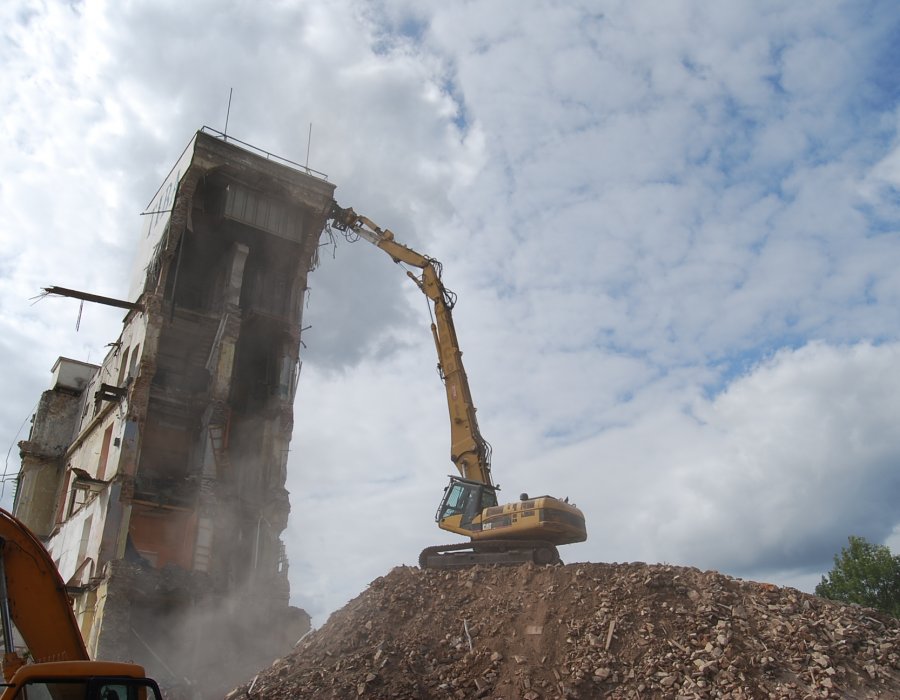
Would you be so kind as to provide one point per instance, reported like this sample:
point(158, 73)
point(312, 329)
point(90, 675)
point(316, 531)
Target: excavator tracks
point(501, 552)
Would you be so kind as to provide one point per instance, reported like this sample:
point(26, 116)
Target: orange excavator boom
point(34, 598)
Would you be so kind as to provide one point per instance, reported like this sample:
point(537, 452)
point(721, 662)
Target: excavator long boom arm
point(33, 596)
point(469, 451)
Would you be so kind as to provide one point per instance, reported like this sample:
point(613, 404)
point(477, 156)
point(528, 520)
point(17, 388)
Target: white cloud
point(776, 470)
point(673, 229)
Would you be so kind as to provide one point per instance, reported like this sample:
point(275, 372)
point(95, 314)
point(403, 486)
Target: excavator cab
point(513, 533)
point(81, 680)
point(463, 503)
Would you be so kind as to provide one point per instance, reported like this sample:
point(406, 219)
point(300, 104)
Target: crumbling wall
point(93, 441)
point(42, 455)
point(168, 496)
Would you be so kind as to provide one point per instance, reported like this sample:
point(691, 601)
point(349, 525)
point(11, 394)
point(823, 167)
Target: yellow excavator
point(527, 530)
point(33, 598)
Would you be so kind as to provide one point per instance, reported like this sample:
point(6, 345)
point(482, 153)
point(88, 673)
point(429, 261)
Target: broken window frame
point(88, 486)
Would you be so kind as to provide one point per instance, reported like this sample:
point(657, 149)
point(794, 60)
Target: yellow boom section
point(469, 451)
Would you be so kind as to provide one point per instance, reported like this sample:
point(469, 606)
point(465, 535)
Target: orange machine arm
point(33, 596)
point(469, 451)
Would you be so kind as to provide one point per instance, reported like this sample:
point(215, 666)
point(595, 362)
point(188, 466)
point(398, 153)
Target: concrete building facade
point(157, 478)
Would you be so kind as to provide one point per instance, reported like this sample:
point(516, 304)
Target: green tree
point(866, 574)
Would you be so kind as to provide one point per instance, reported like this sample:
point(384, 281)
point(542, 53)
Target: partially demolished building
point(157, 479)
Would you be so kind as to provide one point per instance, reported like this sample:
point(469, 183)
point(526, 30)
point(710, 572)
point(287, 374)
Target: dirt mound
point(588, 631)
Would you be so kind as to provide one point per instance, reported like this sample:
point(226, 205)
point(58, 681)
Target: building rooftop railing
point(259, 151)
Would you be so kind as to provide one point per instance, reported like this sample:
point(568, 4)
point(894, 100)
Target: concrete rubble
point(587, 631)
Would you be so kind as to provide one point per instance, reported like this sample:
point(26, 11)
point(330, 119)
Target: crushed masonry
point(587, 631)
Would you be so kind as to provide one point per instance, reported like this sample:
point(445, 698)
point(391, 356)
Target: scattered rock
point(588, 631)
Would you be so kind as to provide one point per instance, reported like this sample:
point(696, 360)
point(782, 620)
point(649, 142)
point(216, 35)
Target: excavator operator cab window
point(488, 498)
point(456, 500)
point(121, 689)
point(466, 499)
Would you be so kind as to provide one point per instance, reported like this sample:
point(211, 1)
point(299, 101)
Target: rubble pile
point(587, 631)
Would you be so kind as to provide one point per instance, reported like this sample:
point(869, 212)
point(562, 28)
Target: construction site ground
point(587, 631)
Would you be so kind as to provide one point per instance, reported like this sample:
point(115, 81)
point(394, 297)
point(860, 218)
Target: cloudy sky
point(674, 230)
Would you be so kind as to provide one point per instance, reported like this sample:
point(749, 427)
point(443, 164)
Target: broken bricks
point(588, 631)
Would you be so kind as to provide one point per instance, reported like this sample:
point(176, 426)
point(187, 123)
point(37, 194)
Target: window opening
point(85, 538)
point(123, 365)
point(135, 357)
point(83, 490)
point(104, 453)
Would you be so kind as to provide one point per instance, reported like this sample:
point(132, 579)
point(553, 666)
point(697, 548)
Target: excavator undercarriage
point(500, 552)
